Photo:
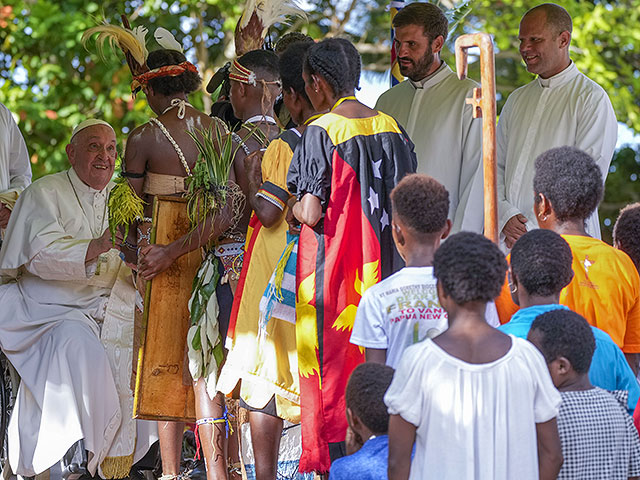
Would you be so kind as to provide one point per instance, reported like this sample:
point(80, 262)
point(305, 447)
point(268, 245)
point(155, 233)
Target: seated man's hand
point(514, 229)
point(154, 259)
point(102, 244)
point(5, 213)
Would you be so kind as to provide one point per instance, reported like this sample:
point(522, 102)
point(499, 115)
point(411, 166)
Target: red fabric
point(338, 258)
point(254, 227)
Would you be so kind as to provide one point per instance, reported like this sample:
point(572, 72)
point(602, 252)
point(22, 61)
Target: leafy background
point(51, 82)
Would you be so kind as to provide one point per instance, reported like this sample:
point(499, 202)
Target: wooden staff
point(484, 105)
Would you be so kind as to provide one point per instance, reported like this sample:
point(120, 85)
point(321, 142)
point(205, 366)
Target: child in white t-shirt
point(403, 309)
point(478, 404)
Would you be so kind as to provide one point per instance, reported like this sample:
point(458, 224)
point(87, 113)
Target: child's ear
point(350, 417)
point(446, 230)
point(397, 234)
point(563, 365)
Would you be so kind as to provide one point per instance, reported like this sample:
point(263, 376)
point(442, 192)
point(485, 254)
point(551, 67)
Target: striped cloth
point(279, 298)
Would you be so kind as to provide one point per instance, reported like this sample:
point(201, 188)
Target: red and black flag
point(351, 165)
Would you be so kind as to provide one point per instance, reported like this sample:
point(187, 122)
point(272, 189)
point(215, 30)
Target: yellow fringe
point(281, 266)
point(117, 467)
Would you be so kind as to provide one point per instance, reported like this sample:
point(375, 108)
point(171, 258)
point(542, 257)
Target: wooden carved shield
point(163, 384)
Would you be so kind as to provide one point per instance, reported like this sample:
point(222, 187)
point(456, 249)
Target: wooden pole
point(484, 105)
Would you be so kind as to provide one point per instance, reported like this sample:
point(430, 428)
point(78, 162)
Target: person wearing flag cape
point(342, 173)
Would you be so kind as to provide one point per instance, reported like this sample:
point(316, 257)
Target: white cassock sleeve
point(45, 234)
point(62, 260)
point(470, 210)
point(16, 164)
point(597, 131)
point(505, 209)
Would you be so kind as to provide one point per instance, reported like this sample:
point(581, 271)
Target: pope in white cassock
point(66, 322)
point(560, 107)
point(15, 169)
point(431, 106)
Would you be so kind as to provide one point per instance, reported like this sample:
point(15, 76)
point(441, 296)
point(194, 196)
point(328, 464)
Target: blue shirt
point(609, 368)
point(368, 463)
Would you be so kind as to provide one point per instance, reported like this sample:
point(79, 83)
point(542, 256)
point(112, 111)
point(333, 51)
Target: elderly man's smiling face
point(92, 153)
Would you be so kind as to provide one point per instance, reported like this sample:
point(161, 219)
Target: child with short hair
point(626, 232)
point(403, 309)
point(540, 268)
point(478, 403)
point(598, 437)
point(367, 439)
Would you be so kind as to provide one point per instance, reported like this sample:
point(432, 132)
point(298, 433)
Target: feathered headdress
point(256, 19)
point(132, 42)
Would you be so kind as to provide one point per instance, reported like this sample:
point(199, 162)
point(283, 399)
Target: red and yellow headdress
point(132, 42)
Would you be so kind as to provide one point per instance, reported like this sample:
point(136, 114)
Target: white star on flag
point(376, 169)
point(384, 220)
point(373, 200)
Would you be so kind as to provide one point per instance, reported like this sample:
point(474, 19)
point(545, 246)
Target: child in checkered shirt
point(597, 434)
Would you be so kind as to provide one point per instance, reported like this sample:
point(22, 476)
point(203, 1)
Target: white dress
point(474, 421)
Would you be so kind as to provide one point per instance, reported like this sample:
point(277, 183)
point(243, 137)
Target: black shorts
point(268, 409)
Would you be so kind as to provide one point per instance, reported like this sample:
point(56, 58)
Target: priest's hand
point(5, 213)
point(102, 244)
point(514, 229)
point(154, 259)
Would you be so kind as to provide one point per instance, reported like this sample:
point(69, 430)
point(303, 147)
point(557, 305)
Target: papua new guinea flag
point(351, 165)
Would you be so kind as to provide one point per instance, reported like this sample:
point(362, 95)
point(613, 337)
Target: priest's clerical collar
point(420, 83)
point(559, 78)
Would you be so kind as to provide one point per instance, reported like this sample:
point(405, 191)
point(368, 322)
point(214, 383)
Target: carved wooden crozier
point(484, 105)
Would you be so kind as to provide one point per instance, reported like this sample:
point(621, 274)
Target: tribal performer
point(262, 352)
point(159, 156)
point(342, 173)
point(254, 81)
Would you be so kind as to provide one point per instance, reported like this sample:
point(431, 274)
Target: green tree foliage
point(51, 82)
point(622, 187)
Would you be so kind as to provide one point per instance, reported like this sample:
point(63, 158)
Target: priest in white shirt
point(560, 107)
point(431, 106)
point(15, 169)
point(66, 322)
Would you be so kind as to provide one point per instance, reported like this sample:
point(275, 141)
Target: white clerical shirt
point(566, 109)
point(448, 141)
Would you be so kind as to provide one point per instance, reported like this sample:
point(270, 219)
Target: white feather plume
point(271, 12)
point(166, 39)
point(140, 33)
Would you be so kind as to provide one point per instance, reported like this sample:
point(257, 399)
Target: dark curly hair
point(365, 392)
point(338, 62)
point(541, 260)
point(626, 232)
point(291, 63)
point(289, 39)
point(187, 82)
point(470, 268)
point(426, 15)
point(421, 202)
point(564, 333)
point(264, 63)
point(571, 181)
